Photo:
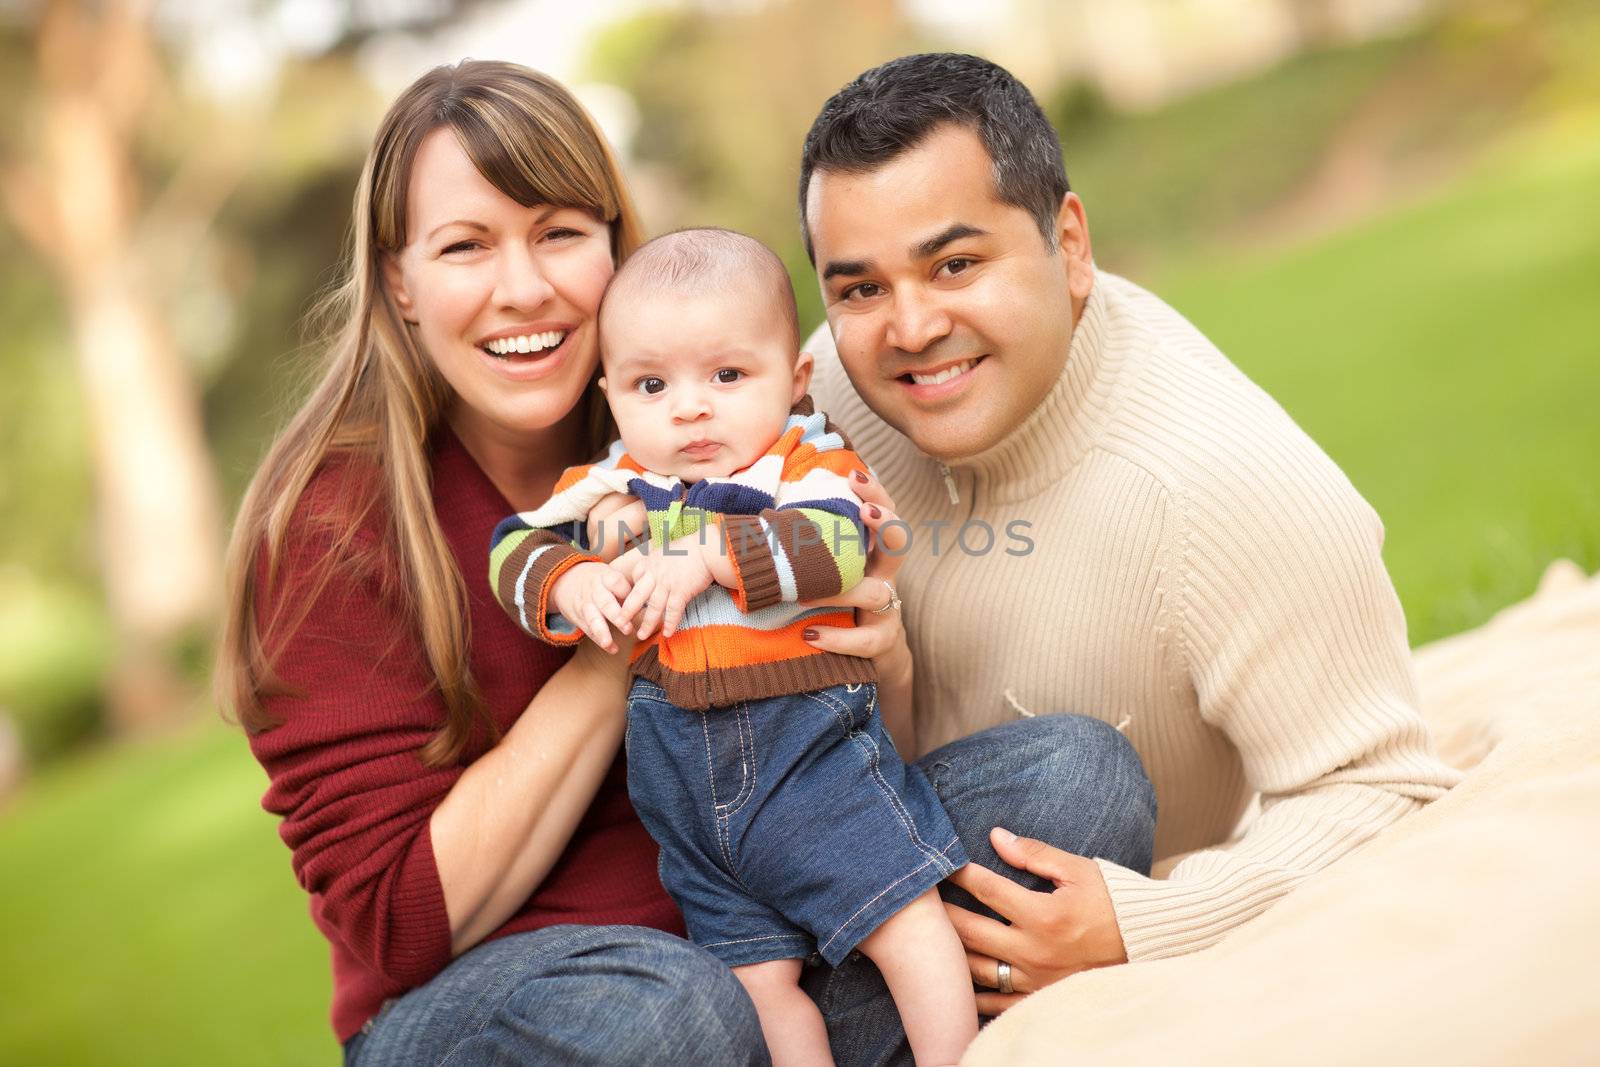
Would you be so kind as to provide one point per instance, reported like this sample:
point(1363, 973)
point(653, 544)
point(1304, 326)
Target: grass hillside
point(1448, 357)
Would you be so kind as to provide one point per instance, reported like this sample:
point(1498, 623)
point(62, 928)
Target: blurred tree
point(725, 99)
point(74, 196)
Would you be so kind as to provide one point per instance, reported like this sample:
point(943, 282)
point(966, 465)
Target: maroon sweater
point(345, 775)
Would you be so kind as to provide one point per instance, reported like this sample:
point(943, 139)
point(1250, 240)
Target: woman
point(451, 789)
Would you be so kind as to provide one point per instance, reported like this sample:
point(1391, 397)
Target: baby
point(786, 819)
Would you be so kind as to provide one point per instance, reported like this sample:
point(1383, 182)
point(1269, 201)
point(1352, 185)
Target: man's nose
point(521, 282)
point(915, 321)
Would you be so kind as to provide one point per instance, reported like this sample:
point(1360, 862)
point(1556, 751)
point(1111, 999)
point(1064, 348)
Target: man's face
point(701, 385)
point(951, 312)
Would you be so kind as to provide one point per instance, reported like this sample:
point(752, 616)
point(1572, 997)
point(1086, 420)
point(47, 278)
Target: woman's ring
point(894, 598)
point(1002, 977)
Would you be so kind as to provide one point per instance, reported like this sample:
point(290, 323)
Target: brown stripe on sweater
point(816, 572)
point(720, 686)
point(746, 541)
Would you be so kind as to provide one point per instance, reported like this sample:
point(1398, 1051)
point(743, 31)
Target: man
point(1107, 518)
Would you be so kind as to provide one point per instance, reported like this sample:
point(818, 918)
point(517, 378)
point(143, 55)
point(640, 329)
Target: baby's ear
point(803, 366)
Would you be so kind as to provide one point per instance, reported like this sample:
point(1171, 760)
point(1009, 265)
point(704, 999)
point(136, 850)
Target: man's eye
point(956, 266)
point(727, 375)
point(650, 386)
point(864, 291)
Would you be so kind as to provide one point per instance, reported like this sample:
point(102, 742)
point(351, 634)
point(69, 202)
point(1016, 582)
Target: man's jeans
point(631, 996)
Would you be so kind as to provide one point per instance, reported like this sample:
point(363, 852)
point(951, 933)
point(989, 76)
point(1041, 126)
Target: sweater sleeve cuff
point(422, 911)
point(745, 540)
point(1160, 918)
point(551, 625)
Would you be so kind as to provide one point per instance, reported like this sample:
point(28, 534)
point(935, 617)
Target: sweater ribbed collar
point(1051, 440)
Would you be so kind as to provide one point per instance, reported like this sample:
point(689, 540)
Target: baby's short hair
point(708, 257)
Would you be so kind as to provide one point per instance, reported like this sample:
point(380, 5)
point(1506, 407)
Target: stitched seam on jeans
point(747, 757)
point(751, 940)
point(870, 747)
point(721, 824)
point(840, 709)
point(939, 859)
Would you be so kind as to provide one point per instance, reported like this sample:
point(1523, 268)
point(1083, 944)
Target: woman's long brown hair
point(380, 397)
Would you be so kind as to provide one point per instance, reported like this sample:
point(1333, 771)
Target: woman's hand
point(877, 634)
point(1050, 936)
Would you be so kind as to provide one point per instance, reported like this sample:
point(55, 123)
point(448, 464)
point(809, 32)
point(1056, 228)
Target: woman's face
point(504, 297)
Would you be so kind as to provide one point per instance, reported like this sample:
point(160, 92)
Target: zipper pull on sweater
point(950, 484)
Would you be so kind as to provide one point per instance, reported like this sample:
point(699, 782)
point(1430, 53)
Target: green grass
point(1448, 357)
point(150, 916)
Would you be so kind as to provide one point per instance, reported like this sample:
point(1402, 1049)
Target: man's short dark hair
point(892, 107)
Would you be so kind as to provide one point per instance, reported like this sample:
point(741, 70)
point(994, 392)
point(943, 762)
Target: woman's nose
point(521, 282)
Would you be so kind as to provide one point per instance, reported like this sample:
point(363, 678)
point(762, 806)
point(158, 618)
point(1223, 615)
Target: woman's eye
point(562, 233)
point(727, 375)
point(650, 386)
point(459, 246)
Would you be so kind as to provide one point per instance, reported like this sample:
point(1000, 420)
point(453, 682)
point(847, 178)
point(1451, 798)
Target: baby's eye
point(650, 386)
point(728, 375)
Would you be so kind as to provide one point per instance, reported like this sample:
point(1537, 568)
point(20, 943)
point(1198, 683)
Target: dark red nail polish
point(809, 634)
point(872, 509)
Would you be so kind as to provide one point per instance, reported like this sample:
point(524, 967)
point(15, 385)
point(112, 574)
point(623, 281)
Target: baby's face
point(700, 384)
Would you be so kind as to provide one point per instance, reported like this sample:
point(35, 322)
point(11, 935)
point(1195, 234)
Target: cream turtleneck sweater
point(1202, 576)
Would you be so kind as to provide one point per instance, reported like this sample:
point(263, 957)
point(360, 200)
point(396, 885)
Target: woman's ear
point(803, 365)
point(394, 278)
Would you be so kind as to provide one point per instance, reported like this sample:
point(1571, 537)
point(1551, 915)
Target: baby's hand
point(664, 581)
point(589, 594)
point(615, 522)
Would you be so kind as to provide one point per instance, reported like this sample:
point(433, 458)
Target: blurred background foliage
point(1389, 224)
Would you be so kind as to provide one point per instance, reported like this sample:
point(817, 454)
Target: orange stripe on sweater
point(708, 647)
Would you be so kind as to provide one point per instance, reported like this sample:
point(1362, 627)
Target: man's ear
point(803, 366)
point(397, 287)
point(1072, 238)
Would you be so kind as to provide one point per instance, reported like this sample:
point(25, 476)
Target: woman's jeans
point(631, 996)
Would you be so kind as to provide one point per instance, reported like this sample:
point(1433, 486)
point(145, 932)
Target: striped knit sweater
point(1203, 576)
point(793, 529)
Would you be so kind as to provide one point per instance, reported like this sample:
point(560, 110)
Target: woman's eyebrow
point(468, 223)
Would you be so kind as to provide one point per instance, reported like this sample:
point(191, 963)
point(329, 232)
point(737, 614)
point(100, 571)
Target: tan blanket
point(1469, 933)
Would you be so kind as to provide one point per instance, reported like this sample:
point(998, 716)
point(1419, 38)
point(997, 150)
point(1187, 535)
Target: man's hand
point(614, 523)
point(1050, 936)
point(590, 594)
point(665, 580)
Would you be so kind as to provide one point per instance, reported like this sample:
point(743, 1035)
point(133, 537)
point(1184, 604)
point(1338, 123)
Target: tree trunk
point(157, 515)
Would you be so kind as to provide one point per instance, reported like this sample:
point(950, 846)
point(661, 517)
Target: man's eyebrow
point(955, 232)
point(850, 267)
point(921, 250)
